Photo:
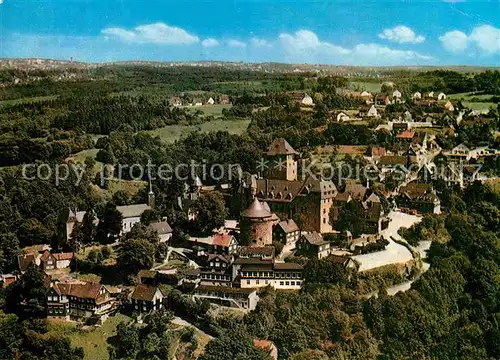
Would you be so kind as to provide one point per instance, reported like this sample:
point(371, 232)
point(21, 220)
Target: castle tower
point(256, 225)
point(282, 160)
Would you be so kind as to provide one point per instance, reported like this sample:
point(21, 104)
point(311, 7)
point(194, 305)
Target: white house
point(396, 94)
point(307, 100)
point(441, 96)
point(211, 101)
point(417, 96)
point(372, 112)
point(449, 106)
point(341, 117)
point(163, 229)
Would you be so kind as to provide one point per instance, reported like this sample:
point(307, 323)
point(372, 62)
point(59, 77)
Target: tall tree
point(110, 224)
point(210, 212)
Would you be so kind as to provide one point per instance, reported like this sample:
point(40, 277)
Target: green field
point(214, 110)
point(364, 85)
point(474, 105)
point(27, 100)
point(94, 343)
point(171, 133)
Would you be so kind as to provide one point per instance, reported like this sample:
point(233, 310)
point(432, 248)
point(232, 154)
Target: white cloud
point(304, 41)
point(485, 37)
point(306, 46)
point(210, 42)
point(454, 41)
point(376, 51)
point(256, 42)
point(157, 33)
point(401, 34)
point(236, 43)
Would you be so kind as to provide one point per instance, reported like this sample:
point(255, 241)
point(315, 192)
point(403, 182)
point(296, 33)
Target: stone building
point(257, 224)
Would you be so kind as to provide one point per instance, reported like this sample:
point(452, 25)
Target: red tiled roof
point(281, 147)
point(85, 291)
point(406, 134)
point(25, 260)
point(63, 256)
point(265, 345)
point(222, 240)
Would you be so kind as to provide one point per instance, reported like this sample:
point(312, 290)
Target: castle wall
point(256, 232)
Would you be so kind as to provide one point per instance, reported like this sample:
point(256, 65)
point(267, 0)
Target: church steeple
point(151, 196)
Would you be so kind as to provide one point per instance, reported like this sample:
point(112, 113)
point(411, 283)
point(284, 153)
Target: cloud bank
point(485, 38)
point(157, 33)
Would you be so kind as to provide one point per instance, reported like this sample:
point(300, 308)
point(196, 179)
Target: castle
point(308, 201)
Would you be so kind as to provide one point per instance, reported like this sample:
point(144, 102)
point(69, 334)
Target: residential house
point(441, 96)
point(50, 261)
point(223, 244)
point(313, 244)
point(216, 271)
point(7, 279)
point(163, 229)
point(286, 232)
point(224, 100)
point(372, 112)
point(420, 197)
point(176, 101)
point(307, 100)
point(146, 298)
point(241, 298)
point(417, 96)
point(449, 106)
point(79, 301)
point(341, 117)
point(211, 101)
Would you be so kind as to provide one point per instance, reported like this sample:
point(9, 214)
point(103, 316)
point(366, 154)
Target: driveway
point(394, 253)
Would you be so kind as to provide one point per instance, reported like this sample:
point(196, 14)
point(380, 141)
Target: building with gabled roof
point(146, 298)
point(286, 231)
point(79, 301)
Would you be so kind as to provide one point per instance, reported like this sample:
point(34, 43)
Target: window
point(292, 283)
point(248, 282)
point(281, 283)
point(257, 282)
point(287, 283)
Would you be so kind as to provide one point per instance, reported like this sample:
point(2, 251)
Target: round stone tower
point(257, 225)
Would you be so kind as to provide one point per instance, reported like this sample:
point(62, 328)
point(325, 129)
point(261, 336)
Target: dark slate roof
point(144, 292)
point(288, 266)
point(288, 226)
point(161, 227)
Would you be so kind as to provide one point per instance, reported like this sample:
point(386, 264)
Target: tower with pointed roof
point(256, 226)
point(151, 196)
point(282, 161)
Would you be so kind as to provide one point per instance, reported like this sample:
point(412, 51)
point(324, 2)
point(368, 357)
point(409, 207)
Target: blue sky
point(357, 32)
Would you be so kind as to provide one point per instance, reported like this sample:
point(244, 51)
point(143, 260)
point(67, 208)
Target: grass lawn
point(94, 343)
point(171, 133)
point(82, 155)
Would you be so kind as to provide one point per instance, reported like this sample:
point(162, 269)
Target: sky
point(355, 32)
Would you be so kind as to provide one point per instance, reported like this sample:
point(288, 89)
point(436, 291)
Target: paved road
point(394, 253)
point(181, 322)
